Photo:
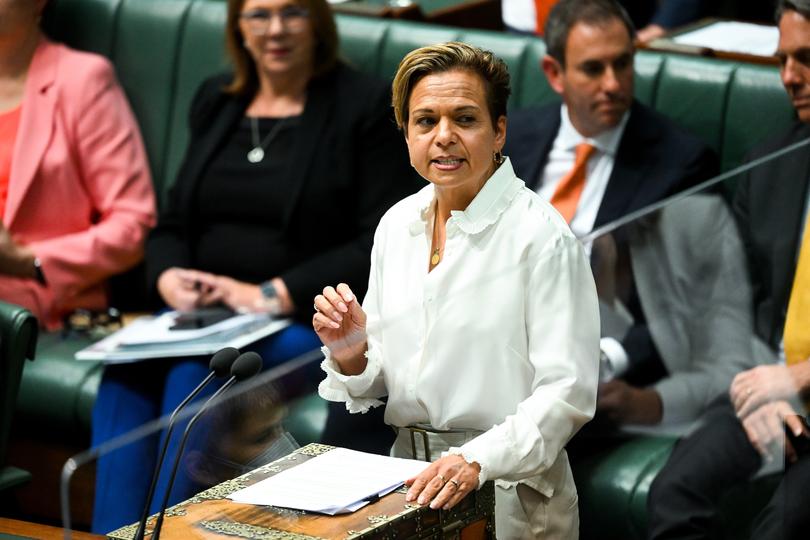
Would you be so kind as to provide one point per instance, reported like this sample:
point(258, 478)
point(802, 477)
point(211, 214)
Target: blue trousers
point(131, 395)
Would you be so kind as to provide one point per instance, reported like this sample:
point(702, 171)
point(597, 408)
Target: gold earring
point(497, 157)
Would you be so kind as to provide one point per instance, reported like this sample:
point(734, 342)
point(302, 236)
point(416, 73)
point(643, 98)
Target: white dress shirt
point(520, 15)
point(600, 166)
point(502, 336)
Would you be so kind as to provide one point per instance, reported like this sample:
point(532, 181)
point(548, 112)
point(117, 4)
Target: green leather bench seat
point(57, 392)
point(18, 335)
point(162, 49)
point(613, 485)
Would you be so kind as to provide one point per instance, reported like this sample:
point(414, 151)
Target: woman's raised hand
point(340, 323)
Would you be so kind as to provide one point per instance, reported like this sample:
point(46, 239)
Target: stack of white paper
point(152, 337)
point(733, 36)
point(336, 482)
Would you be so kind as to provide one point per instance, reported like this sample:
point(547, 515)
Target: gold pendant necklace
point(435, 257)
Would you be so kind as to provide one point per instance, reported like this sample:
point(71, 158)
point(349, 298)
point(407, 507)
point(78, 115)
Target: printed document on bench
point(336, 482)
point(153, 337)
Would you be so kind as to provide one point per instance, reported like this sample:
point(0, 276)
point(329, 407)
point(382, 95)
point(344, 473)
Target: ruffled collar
point(484, 210)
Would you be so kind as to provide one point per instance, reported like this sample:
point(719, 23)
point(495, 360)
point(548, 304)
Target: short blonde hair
point(447, 57)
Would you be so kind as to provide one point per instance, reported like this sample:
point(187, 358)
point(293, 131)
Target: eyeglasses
point(293, 19)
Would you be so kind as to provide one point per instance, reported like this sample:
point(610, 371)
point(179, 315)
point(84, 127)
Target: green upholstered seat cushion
point(18, 334)
point(12, 476)
point(613, 484)
point(58, 392)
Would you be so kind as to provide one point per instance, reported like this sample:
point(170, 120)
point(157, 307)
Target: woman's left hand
point(245, 297)
point(444, 483)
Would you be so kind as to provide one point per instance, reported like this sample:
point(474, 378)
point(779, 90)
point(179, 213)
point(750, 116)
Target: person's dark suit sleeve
point(700, 164)
point(167, 246)
point(740, 209)
point(382, 176)
point(673, 13)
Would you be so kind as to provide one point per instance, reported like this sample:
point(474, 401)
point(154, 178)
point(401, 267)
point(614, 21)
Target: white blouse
point(502, 336)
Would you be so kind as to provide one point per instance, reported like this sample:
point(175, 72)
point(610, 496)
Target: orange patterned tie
point(566, 196)
point(797, 322)
point(541, 10)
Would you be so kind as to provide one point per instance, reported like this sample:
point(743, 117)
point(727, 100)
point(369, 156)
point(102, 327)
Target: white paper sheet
point(158, 329)
point(731, 36)
point(145, 338)
point(335, 482)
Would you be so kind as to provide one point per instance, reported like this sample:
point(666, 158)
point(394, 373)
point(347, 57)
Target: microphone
point(245, 366)
point(220, 366)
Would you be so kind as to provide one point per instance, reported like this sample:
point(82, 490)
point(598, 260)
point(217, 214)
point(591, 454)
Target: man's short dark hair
point(802, 7)
point(566, 13)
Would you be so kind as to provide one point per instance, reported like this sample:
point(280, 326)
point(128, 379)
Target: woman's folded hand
point(184, 289)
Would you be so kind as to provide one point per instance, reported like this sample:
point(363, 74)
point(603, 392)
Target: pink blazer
point(80, 193)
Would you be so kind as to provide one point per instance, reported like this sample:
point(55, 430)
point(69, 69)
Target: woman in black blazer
point(292, 134)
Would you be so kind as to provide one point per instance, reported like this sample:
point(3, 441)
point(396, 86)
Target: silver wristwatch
point(272, 304)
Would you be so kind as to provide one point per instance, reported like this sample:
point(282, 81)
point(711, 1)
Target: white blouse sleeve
point(360, 392)
point(562, 320)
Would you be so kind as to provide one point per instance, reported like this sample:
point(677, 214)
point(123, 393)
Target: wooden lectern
point(211, 515)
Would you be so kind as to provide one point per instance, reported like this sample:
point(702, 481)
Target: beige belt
point(434, 441)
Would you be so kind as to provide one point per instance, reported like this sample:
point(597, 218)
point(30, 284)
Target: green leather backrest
point(89, 25)
point(696, 107)
point(757, 107)
point(200, 54)
point(18, 336)
point(648, 71)
point(162, 49)
point(145, 57)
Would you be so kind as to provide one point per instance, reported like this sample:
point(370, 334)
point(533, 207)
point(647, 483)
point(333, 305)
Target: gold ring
point(315, 307)
point(451, 481)
point(440, 477)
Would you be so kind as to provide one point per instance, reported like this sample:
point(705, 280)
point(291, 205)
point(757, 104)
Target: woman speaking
point(481, 322)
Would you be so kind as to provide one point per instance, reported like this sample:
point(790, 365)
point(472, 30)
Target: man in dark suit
point(598, 157)
point(760, 424)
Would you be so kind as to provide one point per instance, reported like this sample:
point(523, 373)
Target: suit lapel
point(541, 149)
point(206, 147)
point(529, 142)
point(626, 181)
point(36, 126)
point(320, 100)
point(787, 210)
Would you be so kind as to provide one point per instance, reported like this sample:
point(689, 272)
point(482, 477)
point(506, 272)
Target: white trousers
point(521, 510)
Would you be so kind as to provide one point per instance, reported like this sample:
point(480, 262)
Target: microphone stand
point(218, 362)
point(244, 367)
